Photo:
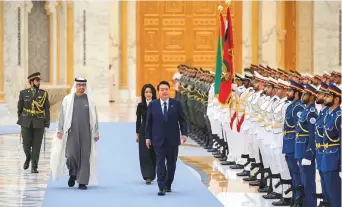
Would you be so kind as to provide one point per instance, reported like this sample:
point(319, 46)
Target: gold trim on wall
point(237, 11)
point(70, 46)
point(123, 45)
point(255, 32)
point(2, 66)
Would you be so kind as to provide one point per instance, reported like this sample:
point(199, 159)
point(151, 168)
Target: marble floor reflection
point(21, 188)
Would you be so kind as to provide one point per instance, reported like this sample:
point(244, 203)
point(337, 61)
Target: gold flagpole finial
point(228, 2)
point(220, 8)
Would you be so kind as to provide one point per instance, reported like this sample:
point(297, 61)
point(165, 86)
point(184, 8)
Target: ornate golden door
point(170, 33)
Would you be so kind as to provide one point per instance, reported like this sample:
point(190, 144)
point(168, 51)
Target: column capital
point(50, 7)
point(28, 5)
point(69, 4)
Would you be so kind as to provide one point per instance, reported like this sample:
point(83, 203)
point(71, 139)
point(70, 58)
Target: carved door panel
point(172, 33)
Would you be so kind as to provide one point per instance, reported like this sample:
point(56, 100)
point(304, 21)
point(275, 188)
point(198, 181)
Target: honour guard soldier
point(319, 137)
point(277, 128)
point(243, 125)
point(305, 144)
point(331, 159)
point(292, 114)
point(33, 117)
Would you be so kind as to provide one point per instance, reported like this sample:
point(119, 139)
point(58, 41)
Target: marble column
point(114, 35)
point(305, 59)
point(132, 46)
point(14, 52)
point(2, 69)
point(246, 34)
point(268, 36)
point(326, 35)
point(90, 46)
point(63, 44)
point(51, 11)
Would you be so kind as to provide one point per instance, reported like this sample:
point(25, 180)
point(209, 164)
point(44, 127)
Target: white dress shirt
point(148, 102)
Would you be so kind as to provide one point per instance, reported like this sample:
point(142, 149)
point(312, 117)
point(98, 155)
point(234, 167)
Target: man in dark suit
point(165, 120)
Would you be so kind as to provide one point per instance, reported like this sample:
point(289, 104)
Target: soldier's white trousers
point(254, 142)
point(262, 141)
point(216, 122)
point(281, 162)
point(237, 142)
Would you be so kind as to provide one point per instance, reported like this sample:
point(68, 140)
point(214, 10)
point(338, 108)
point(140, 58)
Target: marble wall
point(326, 35)
point(132, 46)
point(305, 35)
point(267, 33)
point(115, 49)
point(246, 34)
point(91, 58)
point(114, 42)
point(14, 74)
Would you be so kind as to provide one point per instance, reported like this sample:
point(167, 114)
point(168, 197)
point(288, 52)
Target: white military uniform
point(212, 111)
point(266, 151)
point(231, 140)
point(279, 164)
point(235, 140)
point(253, 114)
point(224, 121)
point(245, 146)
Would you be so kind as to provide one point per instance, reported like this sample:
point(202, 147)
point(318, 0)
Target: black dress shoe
point(264, 190)
point(282, 202)
point(228, 163)
point(82, 187)
point(212, 150)
point(216, 153)
point(168, 190)
point(26, 164)
point(272, 195)
point(207, 147)
point(34, 170)
point(255, 183)
point(243, 173)
point(71, 182)
point(222, 159)
point(148, 181)
point(250, 179)
point(161, 192)
point(237, 167)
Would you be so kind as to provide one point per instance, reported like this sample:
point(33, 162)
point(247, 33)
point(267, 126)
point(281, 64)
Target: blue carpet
point(14, 129)
point(120, 181)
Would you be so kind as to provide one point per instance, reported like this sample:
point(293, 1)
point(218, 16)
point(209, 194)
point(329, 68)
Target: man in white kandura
point(77, 133)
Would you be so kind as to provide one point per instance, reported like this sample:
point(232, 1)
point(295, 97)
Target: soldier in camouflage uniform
point(33, 117)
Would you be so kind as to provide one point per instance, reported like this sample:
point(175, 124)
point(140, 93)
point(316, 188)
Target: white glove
point(340, 174)
point(306, 162)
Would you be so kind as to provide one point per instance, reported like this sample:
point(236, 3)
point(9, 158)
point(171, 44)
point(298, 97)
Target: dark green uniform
point(33, 117)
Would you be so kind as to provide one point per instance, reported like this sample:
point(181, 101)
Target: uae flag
point(219, 55)
point(225, 91)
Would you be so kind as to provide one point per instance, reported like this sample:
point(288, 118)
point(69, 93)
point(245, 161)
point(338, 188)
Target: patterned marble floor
point(17, 186)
